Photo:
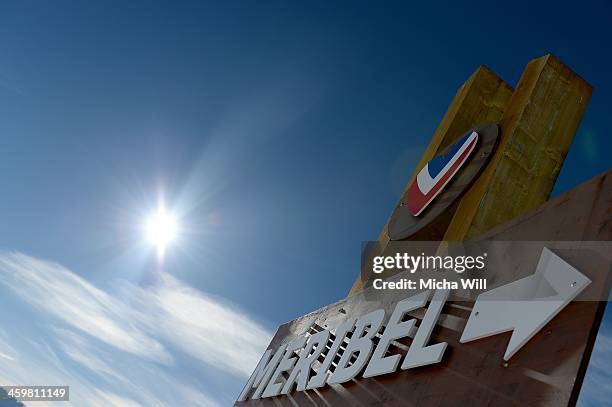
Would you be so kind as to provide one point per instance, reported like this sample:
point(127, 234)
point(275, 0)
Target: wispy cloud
point(6, 350)
point(123, 349)
point(201, 326)
point(57, 291)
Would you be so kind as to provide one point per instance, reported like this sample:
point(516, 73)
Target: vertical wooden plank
point(482, 98)
point(537, 129)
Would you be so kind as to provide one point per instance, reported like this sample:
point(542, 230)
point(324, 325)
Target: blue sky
point(282, 134)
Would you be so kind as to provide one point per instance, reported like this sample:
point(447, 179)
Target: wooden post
point(538, 122)
point(482, 98)
point(537, 129)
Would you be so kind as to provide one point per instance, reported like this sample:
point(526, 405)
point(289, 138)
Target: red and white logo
point(438, 172)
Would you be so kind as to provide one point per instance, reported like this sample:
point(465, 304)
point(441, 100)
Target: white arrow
point(526, 305)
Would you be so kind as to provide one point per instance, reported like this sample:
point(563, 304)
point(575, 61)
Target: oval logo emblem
point(442, 180)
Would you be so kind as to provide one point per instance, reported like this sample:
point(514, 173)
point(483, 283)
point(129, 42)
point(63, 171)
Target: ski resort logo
point(443, 180)
point(437, 173)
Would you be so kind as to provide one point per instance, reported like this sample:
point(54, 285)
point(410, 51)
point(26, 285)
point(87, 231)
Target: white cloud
point(103, 398)
point(55, 290)
point(203, 327)
point(6, 350)
point(80, 351)
point(114, 353)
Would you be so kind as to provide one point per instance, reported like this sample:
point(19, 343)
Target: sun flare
point(161, 228)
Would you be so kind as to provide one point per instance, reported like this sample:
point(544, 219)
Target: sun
point(161, 229)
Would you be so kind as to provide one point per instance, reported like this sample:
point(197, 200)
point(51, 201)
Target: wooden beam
point(482, 98)
point(537, 128)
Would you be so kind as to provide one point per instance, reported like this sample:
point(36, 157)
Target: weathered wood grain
point(537, 128)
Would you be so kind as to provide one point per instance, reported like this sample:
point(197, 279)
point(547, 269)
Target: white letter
point(377, 261)
point(301, 371)
point(377, 284)
point(419, 354)
point(285, 364)
point(319, 379)
point(262, 373)
point(360, 343)
point(379, 364)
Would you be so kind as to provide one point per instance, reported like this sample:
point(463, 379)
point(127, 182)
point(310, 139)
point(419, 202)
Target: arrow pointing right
point(526, 305)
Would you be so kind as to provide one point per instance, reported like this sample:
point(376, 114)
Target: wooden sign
point(546, 371)
point(500, 196)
